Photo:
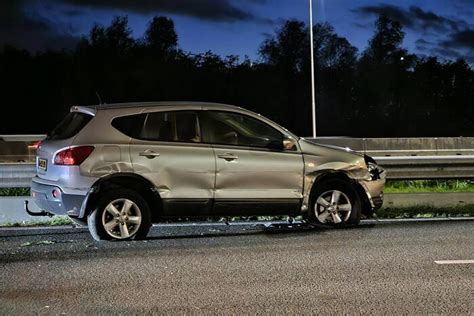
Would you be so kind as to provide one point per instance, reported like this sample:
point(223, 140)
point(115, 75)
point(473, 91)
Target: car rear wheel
point(121, 214)
point(335, 203)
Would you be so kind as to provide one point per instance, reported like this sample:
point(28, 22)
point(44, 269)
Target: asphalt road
point(242, 269)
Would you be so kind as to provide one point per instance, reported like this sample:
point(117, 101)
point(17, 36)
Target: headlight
point(372, 167)
point(369, 159)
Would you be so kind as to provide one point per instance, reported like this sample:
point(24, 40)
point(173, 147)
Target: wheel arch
point(126, 180)
point(340, 175)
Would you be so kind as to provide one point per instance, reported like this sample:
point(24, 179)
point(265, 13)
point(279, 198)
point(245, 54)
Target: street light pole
point(313, 92)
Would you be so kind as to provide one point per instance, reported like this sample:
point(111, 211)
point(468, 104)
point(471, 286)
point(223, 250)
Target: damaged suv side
point(121, 167)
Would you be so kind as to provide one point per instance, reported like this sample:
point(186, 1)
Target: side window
point(130, 125)
point(171, 127)
point(228, 128)
point(187, 127)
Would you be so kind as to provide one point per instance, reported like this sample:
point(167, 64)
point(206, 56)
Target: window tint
point(171, 126)
point(70, 126)
point(235, 129)
point(130, 125)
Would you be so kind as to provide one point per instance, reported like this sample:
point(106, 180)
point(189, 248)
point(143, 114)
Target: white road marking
point(454, 261)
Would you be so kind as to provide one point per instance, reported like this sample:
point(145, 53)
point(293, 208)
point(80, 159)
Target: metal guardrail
point(414, 158)
point(428, 167)
point(16, 175)
point(19, 148)
point(407, 147)
point(407, 159)
point(22, 138)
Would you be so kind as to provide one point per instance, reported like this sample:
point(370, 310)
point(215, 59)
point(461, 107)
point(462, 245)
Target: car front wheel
point(335, 203)
point(121, 214)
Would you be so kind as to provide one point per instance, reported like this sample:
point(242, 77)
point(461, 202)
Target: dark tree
point(383, 80)
point(287, 56)
point(119, 36)
point(335, 60)
point(97, 38)
point(331, 50)
point(288, 49)
point(385, 45)
point(161, 35)
point(385, 92)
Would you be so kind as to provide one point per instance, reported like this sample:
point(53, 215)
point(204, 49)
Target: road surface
point(221, 269)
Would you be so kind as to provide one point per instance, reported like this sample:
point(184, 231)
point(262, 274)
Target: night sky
point(443, 28)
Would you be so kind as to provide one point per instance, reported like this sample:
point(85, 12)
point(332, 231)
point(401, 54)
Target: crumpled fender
point(355, 170)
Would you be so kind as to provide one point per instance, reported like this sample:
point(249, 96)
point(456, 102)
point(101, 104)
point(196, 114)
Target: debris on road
point(34, 243)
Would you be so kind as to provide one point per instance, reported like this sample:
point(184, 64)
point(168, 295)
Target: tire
point(334, 203)
point(121, 214)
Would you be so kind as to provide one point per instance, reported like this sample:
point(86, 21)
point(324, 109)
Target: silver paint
point(201, 171)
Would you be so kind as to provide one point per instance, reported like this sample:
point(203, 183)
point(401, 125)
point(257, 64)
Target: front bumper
point(63, 204)
point(374, 189)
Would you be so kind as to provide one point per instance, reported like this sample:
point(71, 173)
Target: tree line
point(383, 91)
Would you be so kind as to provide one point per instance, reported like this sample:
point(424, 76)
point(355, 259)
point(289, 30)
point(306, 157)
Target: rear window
point(70, 125)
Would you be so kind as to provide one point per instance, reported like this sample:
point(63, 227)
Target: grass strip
point(55, 221)
point(14, 192)
point(436, 186)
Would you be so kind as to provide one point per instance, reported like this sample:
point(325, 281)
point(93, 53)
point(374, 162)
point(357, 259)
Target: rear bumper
point(65, 203)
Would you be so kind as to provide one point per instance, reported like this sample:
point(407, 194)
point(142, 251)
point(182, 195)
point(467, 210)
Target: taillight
point(35, 145)
point(73, 156)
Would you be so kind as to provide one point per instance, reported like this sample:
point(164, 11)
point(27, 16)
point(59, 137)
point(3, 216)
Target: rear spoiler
point(84, 109)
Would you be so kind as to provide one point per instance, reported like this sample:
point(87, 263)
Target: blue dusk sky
point(443, 28)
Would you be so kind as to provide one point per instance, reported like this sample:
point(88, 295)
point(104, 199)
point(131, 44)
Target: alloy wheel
point(121, 218)
point(333, 207)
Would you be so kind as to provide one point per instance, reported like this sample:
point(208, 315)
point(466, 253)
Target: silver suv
point(118, 168)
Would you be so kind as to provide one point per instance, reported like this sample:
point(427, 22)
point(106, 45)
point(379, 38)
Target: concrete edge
point(51, 230)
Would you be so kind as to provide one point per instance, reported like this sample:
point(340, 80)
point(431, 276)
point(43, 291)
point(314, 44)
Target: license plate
point(43, 164)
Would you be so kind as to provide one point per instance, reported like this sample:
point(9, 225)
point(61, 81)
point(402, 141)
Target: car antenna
point(98, 97)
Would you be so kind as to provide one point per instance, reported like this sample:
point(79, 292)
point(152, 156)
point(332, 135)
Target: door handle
point(228, 156)
point(150, 154)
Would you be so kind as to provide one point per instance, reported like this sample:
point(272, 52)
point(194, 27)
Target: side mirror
point(289, 144)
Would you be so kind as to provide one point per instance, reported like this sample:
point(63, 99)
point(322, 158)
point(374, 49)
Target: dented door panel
point(258, 174)
point(181, 171)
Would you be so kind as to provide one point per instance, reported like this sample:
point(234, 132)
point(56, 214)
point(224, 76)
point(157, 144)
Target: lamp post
point(313, 92)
